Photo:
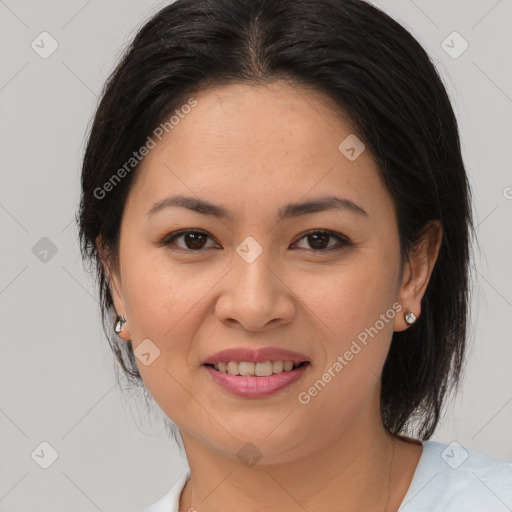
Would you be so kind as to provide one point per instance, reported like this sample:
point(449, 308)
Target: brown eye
point(319, 240)
point(195, 241)
point(192, 240)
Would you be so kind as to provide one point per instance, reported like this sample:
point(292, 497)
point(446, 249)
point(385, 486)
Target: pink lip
point(255, 387)
point(255, 355)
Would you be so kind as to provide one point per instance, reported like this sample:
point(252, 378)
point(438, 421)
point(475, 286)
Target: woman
point(274, 197)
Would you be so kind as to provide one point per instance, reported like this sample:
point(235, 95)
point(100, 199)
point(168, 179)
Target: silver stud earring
point(410, 318)
point(119, 324)
point(118, 328)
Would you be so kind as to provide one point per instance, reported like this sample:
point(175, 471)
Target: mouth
point(249, 379)
point(256, 369)
point(255, 372)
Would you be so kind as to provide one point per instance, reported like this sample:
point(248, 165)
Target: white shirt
point(448, 478)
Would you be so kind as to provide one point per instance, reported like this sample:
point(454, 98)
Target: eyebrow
point(288, 211)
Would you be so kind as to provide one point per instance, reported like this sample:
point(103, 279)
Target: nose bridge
point(253, 263)
point(254, 295)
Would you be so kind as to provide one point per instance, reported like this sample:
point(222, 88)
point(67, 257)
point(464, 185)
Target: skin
point(254, 149)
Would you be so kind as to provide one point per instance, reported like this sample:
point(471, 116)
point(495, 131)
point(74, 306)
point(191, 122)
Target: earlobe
point(110, 275)
point(113, 283)
point(417, 272)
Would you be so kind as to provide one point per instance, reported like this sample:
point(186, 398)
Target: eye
point(319, 239)
point(194, 240)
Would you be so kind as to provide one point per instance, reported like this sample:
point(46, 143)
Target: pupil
point(195, 239)
point(324, 236)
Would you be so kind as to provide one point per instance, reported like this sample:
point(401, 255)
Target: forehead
point(258, 140)
point(276, 115)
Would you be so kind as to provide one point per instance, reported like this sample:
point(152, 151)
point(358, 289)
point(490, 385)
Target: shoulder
point(170, 502)
point(451, 477)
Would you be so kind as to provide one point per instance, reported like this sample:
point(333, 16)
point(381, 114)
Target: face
point(261, 272)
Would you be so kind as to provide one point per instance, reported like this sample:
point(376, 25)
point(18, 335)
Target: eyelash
point(343, 241)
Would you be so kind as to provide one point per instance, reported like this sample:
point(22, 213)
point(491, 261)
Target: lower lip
point(256, 387)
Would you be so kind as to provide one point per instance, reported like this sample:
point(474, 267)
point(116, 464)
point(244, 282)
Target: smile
point(255, 380)
point(262, 369)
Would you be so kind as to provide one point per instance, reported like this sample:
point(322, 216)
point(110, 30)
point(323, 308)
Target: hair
point(380, 77)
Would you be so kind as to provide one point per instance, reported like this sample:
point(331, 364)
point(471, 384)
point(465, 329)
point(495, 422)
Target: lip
point(259, 355)
point(256, 387)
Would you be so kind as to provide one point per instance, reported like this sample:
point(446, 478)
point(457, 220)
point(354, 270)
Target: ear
point(114, 282)
point(417, 271)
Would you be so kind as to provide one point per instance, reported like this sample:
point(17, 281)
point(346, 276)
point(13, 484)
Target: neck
point(353, 472)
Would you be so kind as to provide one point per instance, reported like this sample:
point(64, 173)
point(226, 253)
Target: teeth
point(246, 368)
point(264, 369)
point(233, 367)
point(277, 366)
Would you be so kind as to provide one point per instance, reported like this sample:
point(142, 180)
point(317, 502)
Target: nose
point(255, 296)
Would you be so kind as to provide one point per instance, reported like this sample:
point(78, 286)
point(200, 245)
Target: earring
point(118, 328)
point(410, 318)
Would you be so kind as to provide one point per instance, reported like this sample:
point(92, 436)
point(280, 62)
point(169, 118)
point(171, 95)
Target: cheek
point(354, 320)
point(350, 297)
point(163, 299)
point(165, 306)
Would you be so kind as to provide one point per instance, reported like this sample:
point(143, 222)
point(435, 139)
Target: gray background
point(57, 374)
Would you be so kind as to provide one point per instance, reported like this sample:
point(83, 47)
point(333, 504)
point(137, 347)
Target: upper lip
point(259, 355)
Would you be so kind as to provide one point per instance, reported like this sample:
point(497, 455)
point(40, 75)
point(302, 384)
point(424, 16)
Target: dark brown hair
point(379, 76)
